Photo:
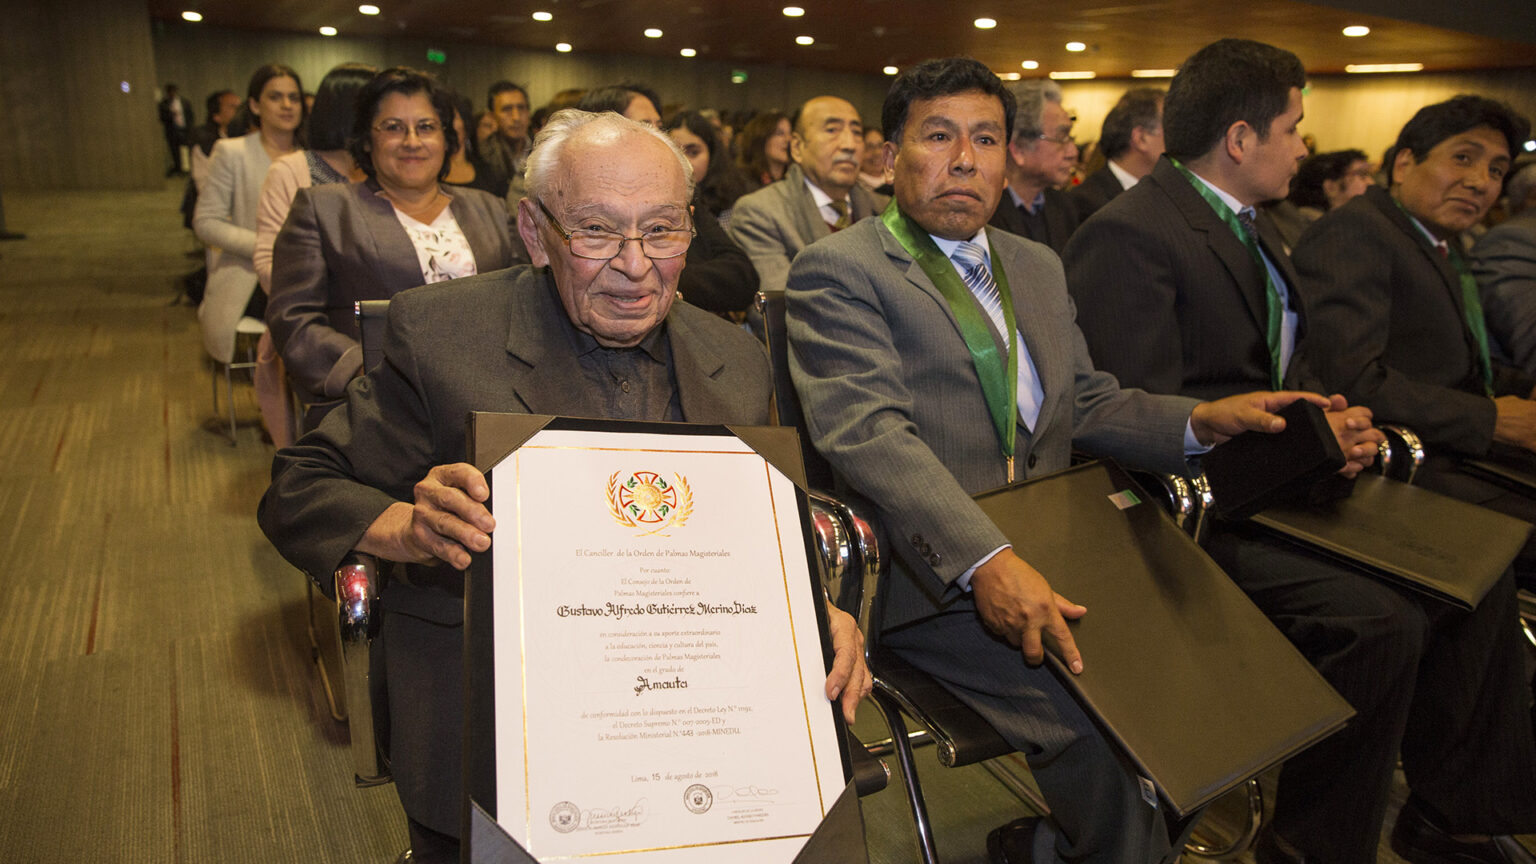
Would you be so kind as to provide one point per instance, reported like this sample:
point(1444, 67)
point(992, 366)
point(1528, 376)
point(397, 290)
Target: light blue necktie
point(977, 276)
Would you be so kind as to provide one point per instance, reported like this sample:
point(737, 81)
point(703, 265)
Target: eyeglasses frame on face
point(434, 129)
point(567, 235)
point(1059, 142)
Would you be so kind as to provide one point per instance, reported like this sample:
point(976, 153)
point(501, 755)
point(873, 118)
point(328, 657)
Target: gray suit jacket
point(1506, 272)
point(892, 400)
point(774, 223)
point(493, 342)
point(342, 243)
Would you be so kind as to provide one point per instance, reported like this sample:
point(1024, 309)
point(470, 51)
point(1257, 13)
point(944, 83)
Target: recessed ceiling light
point(563, 47)
point(688, 52)
point(985, 23)
point(1384, 67)
point(653, 32)
point(1076, 46)
point(793, 12)
point(543, 16)
point(1009, 76)
point(368, 9)
point(805, 40)
point(1357, 30)
point(189, 15)
point(1153, 73)
point(1031, 64)
point(327, 31)
point(1072, 76)
point(890, 70)
point(1530, 146)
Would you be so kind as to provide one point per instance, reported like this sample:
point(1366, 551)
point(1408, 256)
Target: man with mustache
point(1041, 156)
point(820, 192)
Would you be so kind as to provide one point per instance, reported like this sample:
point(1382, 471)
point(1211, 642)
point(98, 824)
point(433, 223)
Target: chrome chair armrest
point(1187, 499)
point(1402, 453)
point(855, 586)
point(357, 622)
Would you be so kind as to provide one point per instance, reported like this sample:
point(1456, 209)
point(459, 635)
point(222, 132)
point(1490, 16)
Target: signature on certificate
point(758, 794)
point(599, 818)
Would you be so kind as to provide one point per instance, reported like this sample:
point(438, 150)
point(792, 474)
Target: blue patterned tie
point(972, 259)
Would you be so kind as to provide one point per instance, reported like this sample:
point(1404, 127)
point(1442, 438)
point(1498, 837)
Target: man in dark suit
point(1505, 264)
point(894, 399)
point(819, 193)
point(590, 330)
point(1177, 293)
point(176, 120)
point(1041, 156)
point(1132, 141)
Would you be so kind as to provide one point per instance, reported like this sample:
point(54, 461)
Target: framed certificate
point(655, 637)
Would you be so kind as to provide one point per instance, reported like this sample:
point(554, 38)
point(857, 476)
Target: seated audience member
point(1323, 182)
point(872, 165)
point(326, 160)
point(1173, 294)
point(1396, 321)
point(550, 338)
point(371, 240)
point(223, 105)
point(1130, 144)
point(637, 102)
point(225, 219)
point(719, 276)
point(763, 150)
point(465, 167)
point(506, 152)
point(1041, 157)
point(485, 127)
point(1505, 264)
point(893, 399)
point(820, 192)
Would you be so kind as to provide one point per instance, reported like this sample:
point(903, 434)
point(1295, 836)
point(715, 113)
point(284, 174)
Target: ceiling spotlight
point(1076, 46)
point(189, 15)
point(805, 40)
point(653, 32)
point(793, 12)
point(1031, 64)
point(1009, 76)
point(688, 52)
point(368, 9)
point(563, 47)
point(890, 70)
point(1357, 30)
point(1384, 67)
point(1072, 76)
point(327, 31)
point(985, 23)
point(543, 16)
point(1530, 146)
point(1153, 73)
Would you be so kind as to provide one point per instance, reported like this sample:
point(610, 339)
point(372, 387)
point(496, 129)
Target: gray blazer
point(225, 220)
point(892, 400)
point(1506, 272)
point(342, 243)
point(774, 223)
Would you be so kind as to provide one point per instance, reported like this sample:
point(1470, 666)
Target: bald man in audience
point(1041, 157)
point(819, 194)
point(1132, 141)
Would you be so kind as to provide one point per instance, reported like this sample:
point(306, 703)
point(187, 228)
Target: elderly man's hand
point(448, 521)
point(1218, 421)
point(849, 677)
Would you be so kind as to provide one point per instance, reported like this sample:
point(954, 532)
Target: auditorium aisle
point(156, 694)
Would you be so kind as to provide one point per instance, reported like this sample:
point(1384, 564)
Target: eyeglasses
point(425, 129)
point(1060, 141)
point(657, 245)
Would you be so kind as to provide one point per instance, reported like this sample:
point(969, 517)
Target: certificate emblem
point(650, 502)
point(697, 798)
point(564, 817)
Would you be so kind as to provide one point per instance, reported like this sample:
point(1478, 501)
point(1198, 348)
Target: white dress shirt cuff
point(964, 579)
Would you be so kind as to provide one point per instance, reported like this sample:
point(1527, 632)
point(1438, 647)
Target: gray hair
point(1032, 96)
point(550, 143)
point(1520, 186)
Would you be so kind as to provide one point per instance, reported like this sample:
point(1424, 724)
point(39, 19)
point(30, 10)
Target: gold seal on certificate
point(658, 660)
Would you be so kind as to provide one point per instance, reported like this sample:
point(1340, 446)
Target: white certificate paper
point(659, 671)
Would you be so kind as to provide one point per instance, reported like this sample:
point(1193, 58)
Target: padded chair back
point(818, 472)
point(371, 317)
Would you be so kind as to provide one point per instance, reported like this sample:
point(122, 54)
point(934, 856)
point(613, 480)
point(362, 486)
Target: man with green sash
point(937, 359)
point(1180, 290)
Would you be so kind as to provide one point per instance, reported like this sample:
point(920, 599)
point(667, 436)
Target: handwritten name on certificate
point(659, 672)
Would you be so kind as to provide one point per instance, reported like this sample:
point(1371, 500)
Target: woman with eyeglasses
point(399, 228)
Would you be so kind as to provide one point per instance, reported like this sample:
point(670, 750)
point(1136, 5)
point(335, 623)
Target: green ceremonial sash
point(999, 380)
point(1471, 305)
point(1273, 312)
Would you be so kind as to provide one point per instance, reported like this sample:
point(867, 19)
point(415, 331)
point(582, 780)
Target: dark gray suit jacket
point(774, 223)
point(342, 243)
point(892, 400)
point(1060, 219)
point(1390, 325)
point(1096, 190)
point(1506, 272)
point(494, 342)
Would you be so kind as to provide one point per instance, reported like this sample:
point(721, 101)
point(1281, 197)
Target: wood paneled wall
point(65, 120)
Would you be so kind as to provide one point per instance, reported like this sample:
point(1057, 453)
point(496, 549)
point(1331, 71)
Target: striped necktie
point(972, 259)
point(842, 215)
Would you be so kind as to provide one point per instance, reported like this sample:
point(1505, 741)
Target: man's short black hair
point(1307, 187)
point(501, 87)
point(1225, 82)
point(214, 99)
point(409, 82)
point(943, 77)
point(1139, 108)
point(1435, 123)
point(616, 98)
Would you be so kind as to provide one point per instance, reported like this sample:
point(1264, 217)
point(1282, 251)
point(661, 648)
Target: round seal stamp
point(698, 798)
point(564, 817)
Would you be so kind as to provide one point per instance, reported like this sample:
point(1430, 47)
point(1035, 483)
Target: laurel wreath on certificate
point(647, 501)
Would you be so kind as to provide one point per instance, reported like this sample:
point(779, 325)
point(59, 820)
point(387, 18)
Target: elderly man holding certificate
point(590, 330)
